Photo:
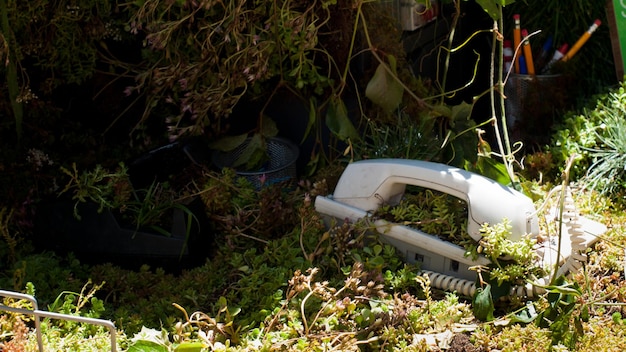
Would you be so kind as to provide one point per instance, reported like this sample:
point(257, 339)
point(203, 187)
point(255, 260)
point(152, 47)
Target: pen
point(544, 55)
point(522, 66)
point(558, 55)
point(517, 39)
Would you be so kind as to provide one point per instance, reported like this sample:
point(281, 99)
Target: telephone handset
point(366, 184)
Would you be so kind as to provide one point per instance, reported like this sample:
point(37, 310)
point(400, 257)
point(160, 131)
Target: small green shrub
point(596, 137)
point(606, 174)
point(433, 212)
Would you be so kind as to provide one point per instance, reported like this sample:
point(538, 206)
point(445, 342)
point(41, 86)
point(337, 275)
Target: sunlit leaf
point(526, 315)
point(482, 304)
point(492, 169)
point(147, 346)
point(189, 347)
point(384, 89)
point(492, 7)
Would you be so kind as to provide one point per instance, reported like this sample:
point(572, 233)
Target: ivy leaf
point(338, 122)
point(384, 89)
point(482, 304)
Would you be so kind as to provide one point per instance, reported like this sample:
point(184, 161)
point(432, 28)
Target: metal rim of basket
point(288, 146)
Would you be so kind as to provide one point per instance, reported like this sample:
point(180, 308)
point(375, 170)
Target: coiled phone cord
point(570, 225)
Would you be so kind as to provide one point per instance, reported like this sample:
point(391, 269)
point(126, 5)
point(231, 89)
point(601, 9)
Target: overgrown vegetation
point(279, 277)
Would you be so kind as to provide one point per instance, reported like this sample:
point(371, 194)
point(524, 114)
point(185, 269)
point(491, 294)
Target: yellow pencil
point(528, 53)
point(581, 41)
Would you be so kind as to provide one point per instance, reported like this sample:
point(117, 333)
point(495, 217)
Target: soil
point(462, 343)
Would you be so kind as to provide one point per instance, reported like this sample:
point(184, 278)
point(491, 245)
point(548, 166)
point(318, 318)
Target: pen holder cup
point(532, 100)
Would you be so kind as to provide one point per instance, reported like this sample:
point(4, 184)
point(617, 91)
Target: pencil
point(581, 41)
point(528, 53)
point(517, 39)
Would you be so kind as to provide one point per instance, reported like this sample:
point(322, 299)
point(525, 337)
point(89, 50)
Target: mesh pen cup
point(281, 166)
point(532, 100)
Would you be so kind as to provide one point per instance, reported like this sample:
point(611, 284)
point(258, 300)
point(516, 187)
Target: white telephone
point(364, 185)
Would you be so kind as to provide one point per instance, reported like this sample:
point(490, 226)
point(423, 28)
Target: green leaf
point(377, 261)
point(442, 110)
point(584, 313)
point(461, 112)
point(147, 346)
point(189, 347)
point(526, 315)
point(254, 154)
point(268, 127)
point(312, 118)
point(492, 7)
point(228, 143)
point(338, 122)
point(384, 89)
point(493, 169)
point(482, 304)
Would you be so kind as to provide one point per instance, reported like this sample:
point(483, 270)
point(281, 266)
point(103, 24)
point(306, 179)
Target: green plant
point(239, 50)
point(112, 190)
point(149, 339)
point(593, 136)
point(561, 311)
point(514, 338)
point(403, 137)
point(513, 261)
point(10, 239)
point(148, 206)
point(105, 188)
point(13, 325)
point(59, 334)
point(241, 213)
point(433, 212)
point(580, 133)
point(606, 173)
point(48, 45)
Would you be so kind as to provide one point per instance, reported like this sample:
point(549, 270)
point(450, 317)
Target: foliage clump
point(594, 136)
point(430, 211)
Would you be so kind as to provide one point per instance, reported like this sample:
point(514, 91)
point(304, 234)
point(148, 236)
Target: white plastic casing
point(367, 184)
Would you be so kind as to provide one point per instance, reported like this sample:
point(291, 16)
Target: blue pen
point(522, 65)
point(544, 56)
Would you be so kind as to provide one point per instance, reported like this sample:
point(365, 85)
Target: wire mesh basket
point(533, 99)
point(281, 166)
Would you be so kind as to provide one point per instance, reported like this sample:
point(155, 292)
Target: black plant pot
point(104, 237)
point(101, 237)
